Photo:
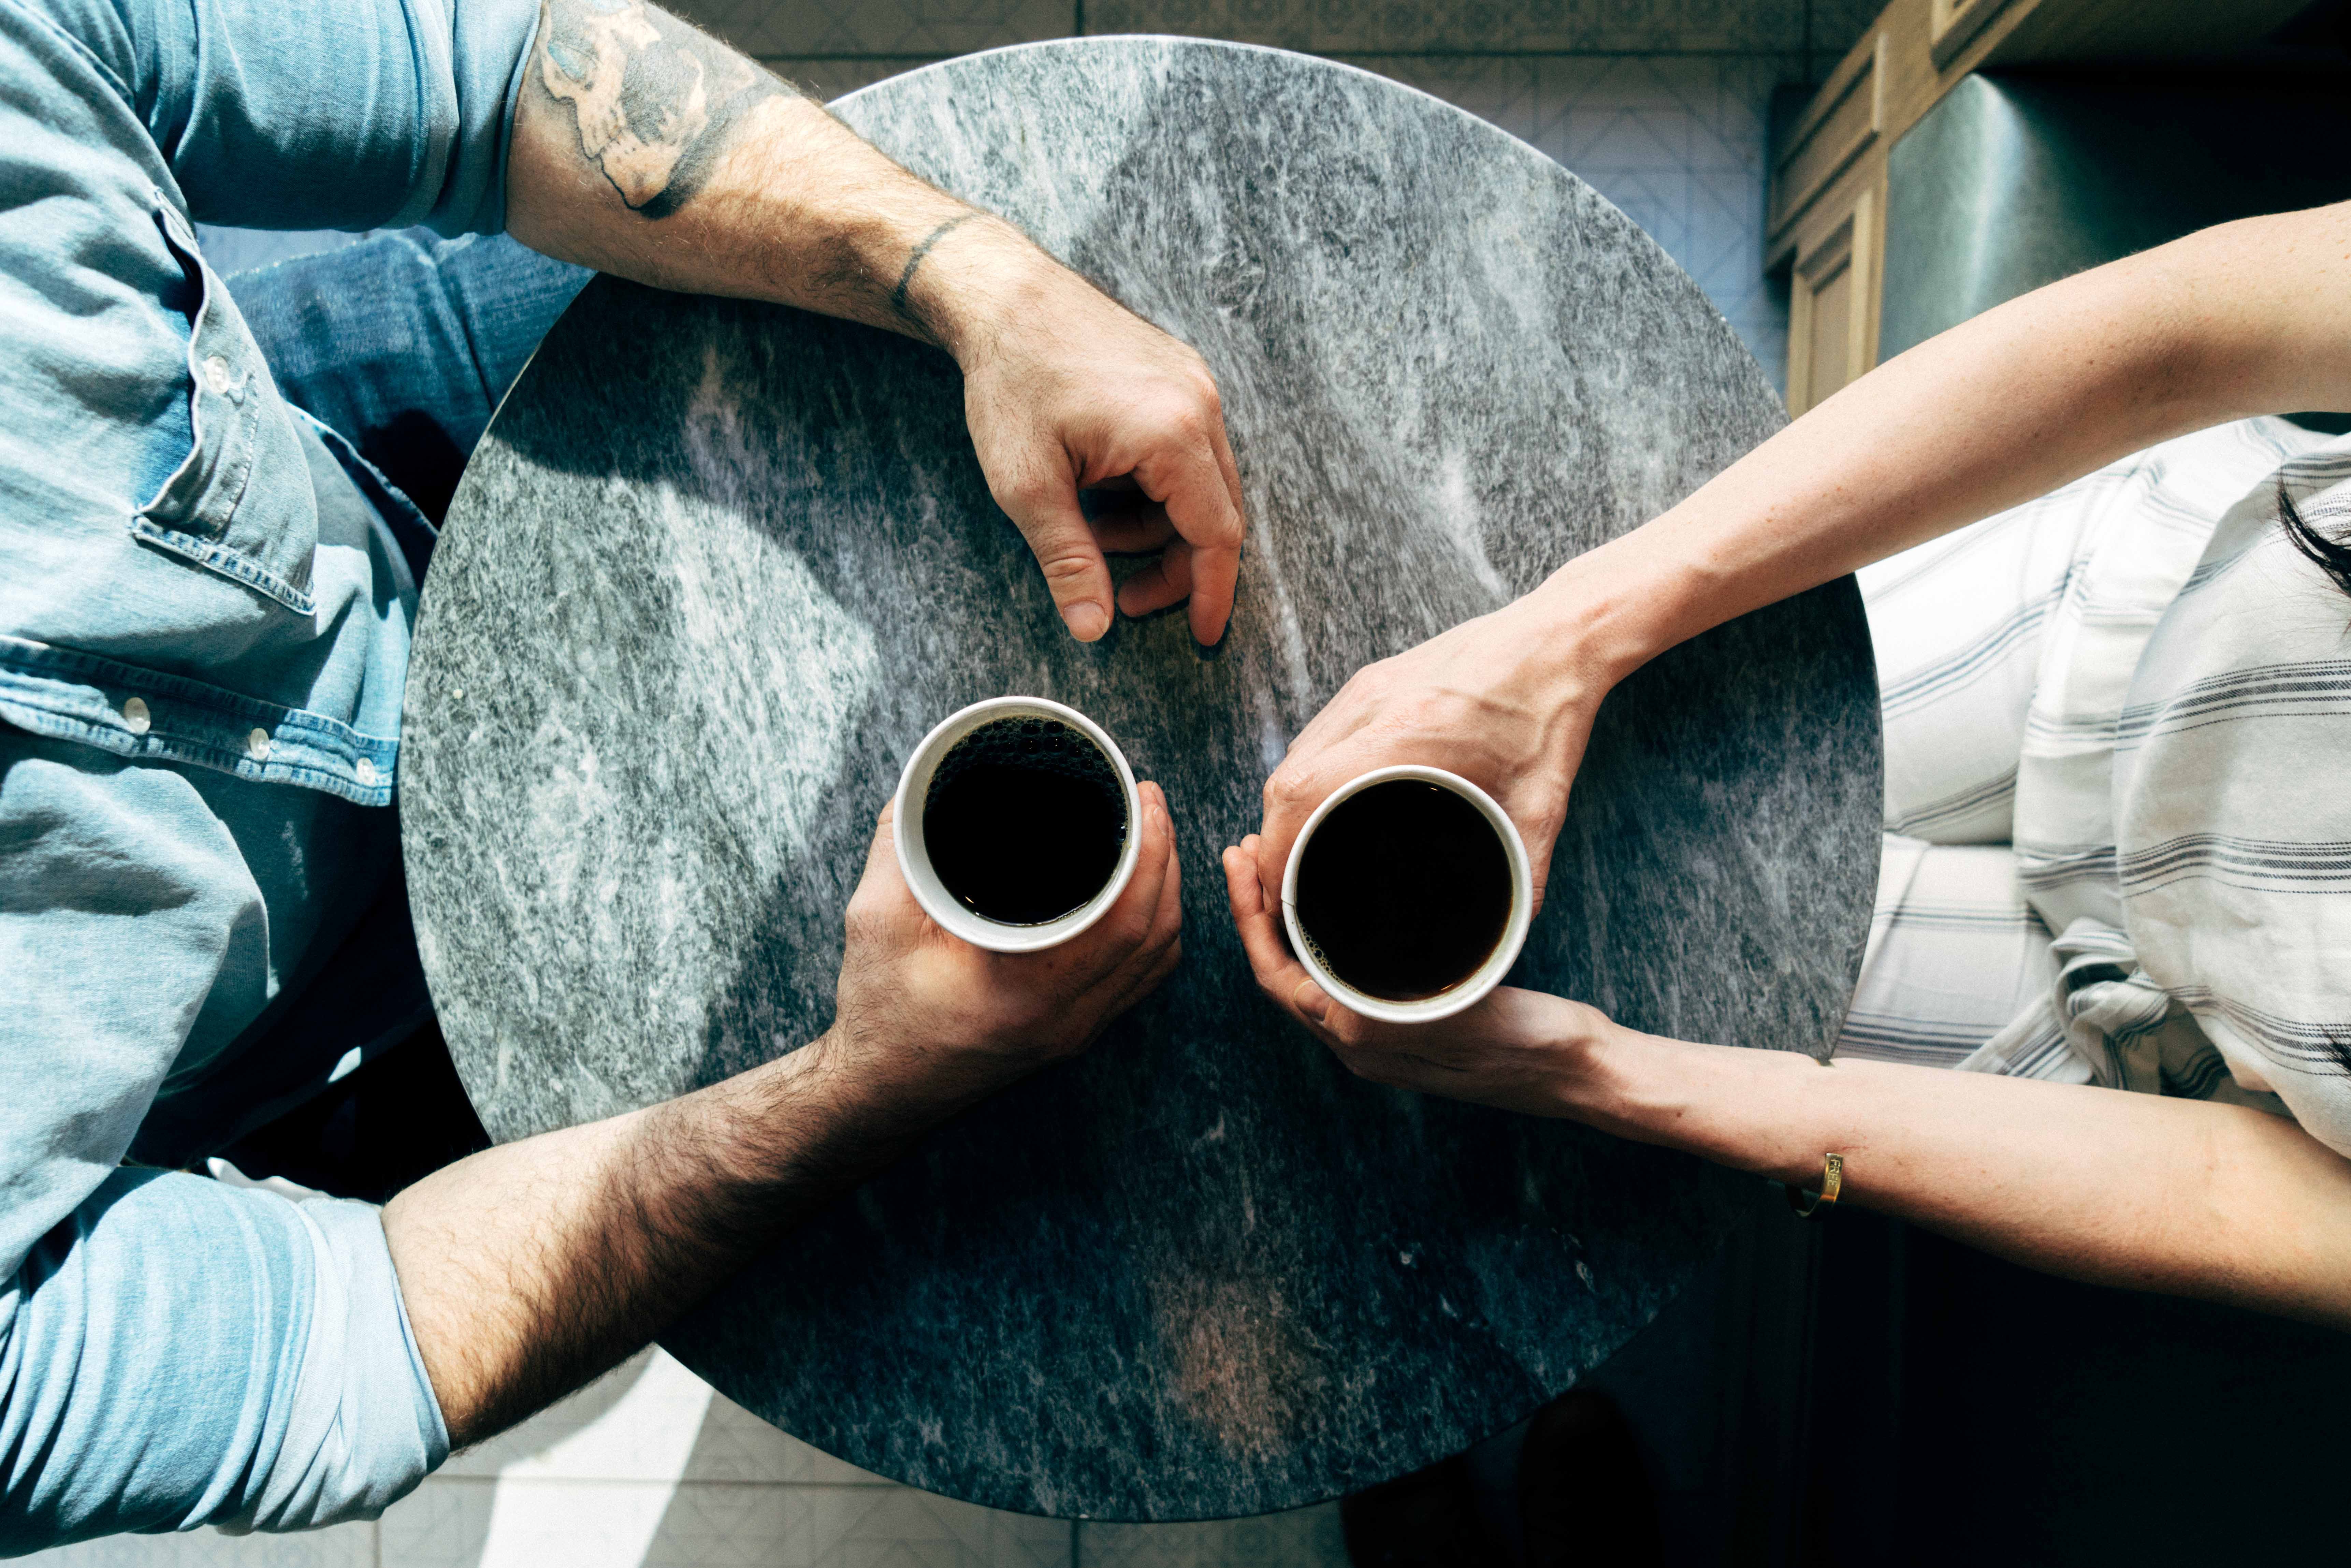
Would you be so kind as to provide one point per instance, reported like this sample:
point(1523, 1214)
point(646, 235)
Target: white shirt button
point(135, 715)
point(257, 746)
point(216, 373)
point(365, 772)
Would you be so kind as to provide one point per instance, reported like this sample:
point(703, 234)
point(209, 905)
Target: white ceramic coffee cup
point(1488, 975)
point(914, 855)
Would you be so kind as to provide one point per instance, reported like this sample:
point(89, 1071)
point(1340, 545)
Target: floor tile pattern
point(911, 27)
point(1339, 27)
point(650, 1468)
point(344, 1546)
point(886, 27)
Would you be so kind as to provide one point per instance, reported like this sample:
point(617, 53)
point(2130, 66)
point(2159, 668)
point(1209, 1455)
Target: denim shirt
point(205, 606)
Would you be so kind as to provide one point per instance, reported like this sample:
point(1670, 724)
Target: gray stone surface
point(717, 567)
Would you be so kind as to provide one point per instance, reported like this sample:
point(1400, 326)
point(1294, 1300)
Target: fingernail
point(1086, 622)
point(1308, 1000)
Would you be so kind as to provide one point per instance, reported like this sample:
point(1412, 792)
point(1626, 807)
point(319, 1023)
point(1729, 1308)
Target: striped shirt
point(2119, 850)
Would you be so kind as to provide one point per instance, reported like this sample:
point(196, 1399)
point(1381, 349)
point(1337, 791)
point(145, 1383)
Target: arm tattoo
point(655, 101)
point(906, 278)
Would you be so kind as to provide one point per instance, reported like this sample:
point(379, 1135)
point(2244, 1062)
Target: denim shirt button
point(364, 771)
point(216, 374)
point(136, 717)
point(257, 746)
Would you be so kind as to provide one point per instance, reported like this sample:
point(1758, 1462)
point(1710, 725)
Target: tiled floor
point(648, 1468)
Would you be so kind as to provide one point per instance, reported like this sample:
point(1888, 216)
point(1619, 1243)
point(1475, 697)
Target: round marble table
point(717, 566)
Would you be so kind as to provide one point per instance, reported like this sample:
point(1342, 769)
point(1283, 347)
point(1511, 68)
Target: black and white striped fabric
point(2118, 840)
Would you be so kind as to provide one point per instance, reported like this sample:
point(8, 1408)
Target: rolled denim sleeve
point(180, 1352)
point(174, 1351)
point(349, 114)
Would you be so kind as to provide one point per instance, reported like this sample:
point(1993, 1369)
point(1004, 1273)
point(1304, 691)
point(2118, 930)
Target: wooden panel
point(1833, 306)
point(1831, 337)
point(1832, 171)
point(1843, 121)
point(1953, 25)
point(2112, 30)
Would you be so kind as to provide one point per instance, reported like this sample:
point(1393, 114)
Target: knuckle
point(1131, 932)
point(1066, 566)
point(1289, 789)
point(1021, 492)
point(1427, 709)
point(1184, 424)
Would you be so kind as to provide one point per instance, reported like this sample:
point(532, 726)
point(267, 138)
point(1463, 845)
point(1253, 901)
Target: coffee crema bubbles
point(1024, 820)
point(1404, 890)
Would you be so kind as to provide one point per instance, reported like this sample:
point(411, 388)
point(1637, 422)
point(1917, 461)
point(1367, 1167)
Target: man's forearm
point(530, 1268)
point(2234, 321)
point(2184, 1197)
point(645, 148)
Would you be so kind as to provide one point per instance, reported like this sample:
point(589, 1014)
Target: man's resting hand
point(1066, 390)
point(645, 148)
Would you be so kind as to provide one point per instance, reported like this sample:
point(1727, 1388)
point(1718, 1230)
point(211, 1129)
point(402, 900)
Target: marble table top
point(717, 566)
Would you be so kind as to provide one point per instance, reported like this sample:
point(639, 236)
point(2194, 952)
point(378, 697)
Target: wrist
point(1612, 608)
point(1748, 1109)
point(1598, 1073)
point(970, 280)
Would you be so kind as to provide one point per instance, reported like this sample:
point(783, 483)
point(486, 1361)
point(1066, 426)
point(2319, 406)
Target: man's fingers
point(1165, 582)
point(1188, 481)
point(1167, 920)
point(1127, 927)
point(882, 893)
point(1132, 531)
point(1045, 509)
point(1232, 470)
point(1164, 964)
point(881, 852)
point(1163, 947)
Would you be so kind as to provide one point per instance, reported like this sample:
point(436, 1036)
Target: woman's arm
point(2185, 1196)
point(2245, 319)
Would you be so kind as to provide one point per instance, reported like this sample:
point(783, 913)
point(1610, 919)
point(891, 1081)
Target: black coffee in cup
point(1404, 890)
point(1024, 820)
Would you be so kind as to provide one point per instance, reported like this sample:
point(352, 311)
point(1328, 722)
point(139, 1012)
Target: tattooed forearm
point(656, 102)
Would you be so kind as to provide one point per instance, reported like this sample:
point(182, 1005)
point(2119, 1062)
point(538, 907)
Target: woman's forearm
point(2185, 1196)
point(2236, 320)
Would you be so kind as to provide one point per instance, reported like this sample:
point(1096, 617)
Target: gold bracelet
point(1816, 1205)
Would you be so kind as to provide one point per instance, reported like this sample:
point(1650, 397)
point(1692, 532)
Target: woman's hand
point(1519, 1051)
point(927, 1019)
point(1504, 701)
